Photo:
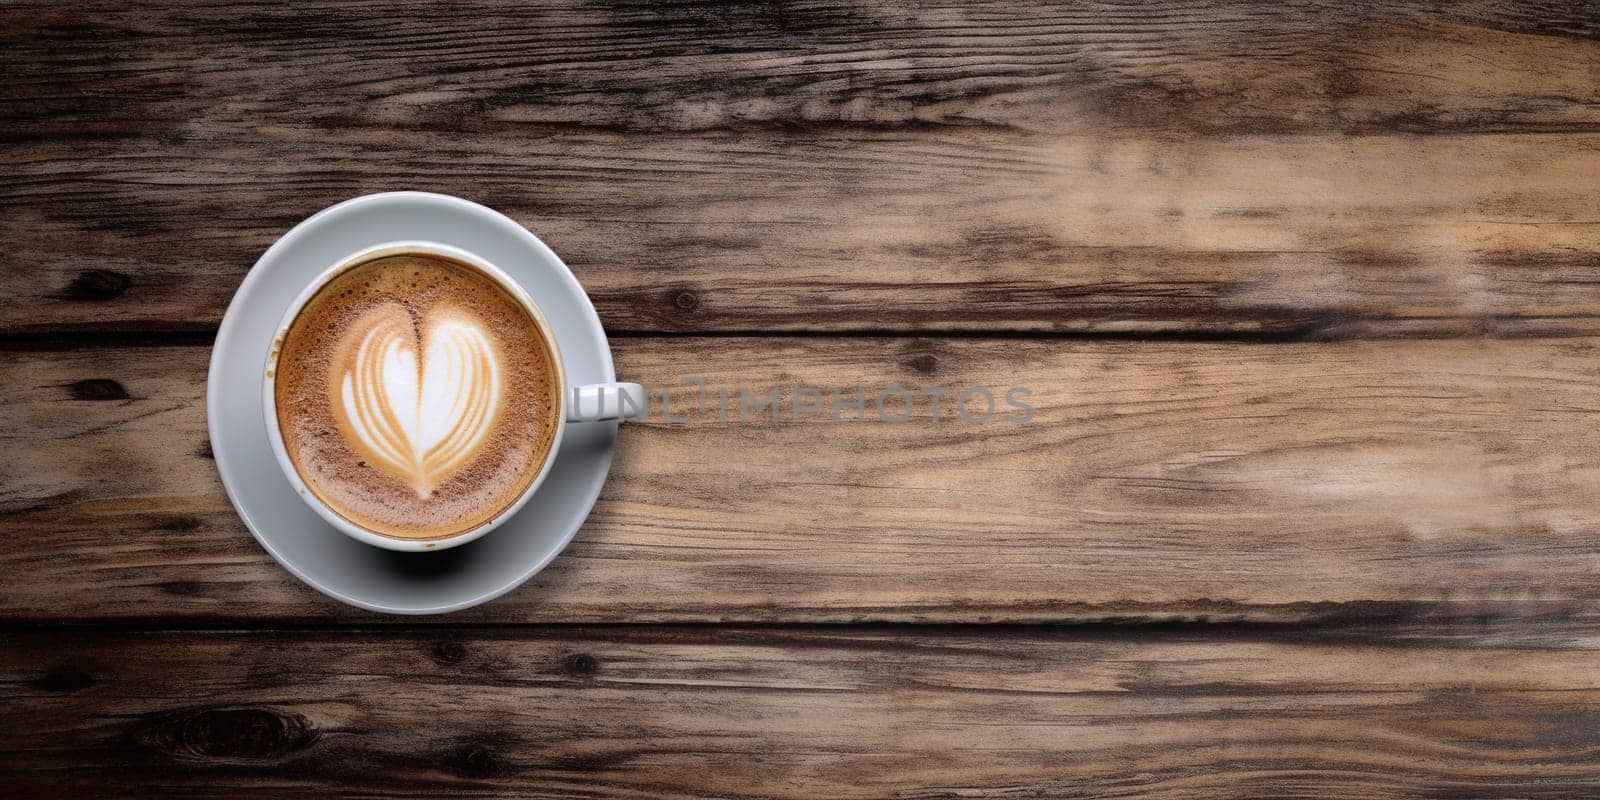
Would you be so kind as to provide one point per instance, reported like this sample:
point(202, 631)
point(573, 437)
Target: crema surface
point(416, 397)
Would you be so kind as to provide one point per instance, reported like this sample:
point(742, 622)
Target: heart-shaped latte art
point(418, 419)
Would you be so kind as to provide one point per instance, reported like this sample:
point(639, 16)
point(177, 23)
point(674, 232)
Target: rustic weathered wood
point(777, 714)
point(1235, 481)
point(1346, 570)
point(1295, 169)
point(1304, 237)
point(1181, 66)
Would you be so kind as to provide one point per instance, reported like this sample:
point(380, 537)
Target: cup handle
point(606, 402)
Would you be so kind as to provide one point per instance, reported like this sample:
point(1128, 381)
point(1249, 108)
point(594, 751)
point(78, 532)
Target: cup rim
point(270, 406)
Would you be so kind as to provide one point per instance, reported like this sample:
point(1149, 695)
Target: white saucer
point(327, 560)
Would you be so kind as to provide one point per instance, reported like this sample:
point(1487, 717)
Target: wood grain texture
point(1180, 66)
point(668, 713)
point(1310, 237)
point(1351, 569)
point(1178, 481)
point(1295, 170)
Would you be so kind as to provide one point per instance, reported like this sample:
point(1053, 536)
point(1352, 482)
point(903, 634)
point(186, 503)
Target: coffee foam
point(417, 419)
point(416, 397)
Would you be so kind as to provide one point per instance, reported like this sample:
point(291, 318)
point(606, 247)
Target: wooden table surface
point(1308, 295)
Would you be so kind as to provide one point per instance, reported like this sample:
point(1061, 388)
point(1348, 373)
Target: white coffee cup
point(596, 402)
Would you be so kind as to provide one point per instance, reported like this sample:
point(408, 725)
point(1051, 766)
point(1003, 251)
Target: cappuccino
point(416, 397)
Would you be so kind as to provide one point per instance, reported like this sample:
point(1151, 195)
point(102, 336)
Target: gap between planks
point(1311, 333)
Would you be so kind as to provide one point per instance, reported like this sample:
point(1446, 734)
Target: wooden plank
point(1304, 237)
point(1291, 169)
point(668, 713)
point(1179, 66)
point(1173, 481)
